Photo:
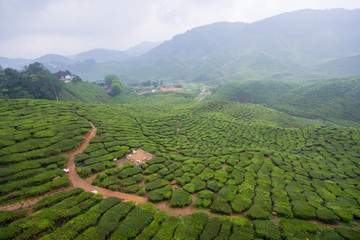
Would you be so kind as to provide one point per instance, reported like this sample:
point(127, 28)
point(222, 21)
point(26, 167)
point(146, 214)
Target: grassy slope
point(336, 100)
point(84, 92)
point(251, 92)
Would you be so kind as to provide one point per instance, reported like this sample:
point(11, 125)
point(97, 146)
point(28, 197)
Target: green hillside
point(336, 100)
point(84, 92)
point(218, 157)
point(260, 92)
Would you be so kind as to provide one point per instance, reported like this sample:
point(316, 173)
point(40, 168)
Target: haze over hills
point(303, 44)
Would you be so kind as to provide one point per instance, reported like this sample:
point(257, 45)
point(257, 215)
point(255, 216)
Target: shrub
point(151, 178)
point(133, 224)
point(192, 227)
point(51, 200)
point(220, 205)
point(131, 180)
point(110, 220)
point(156, 160)
point(302, 210)
point(153, 227)
point(167, 229)
point(160, 194)
point(90, 234)
point(326, 215)
point(211, 229)
point(180, 198)
point(348, 232)
point(228, 192)
point(258, 212)
point(159, 183)
point(266, 229)
point(111, 180)
point(214, 185)
point(128, 172)
point(11, 216)
point(189, 188)
point(225, 229)
point(240, 203)
point(207, 174)
point(221, 175)
point(300, 229)
point(206, 194)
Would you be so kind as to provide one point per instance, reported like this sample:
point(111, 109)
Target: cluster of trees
point(34, 81)
point(113, 81)
point(77, 214)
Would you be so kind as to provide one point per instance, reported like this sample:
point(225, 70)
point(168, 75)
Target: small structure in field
point(94, 191)
point(66, 170)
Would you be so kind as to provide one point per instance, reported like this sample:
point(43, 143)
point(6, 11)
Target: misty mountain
point(102, 55)
point(141, 48)
point(341, 67)
point(290, 46)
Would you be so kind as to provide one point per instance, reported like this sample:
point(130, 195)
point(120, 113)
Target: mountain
point(336, 100)
point(342, 66)
point(285, 47)
point(141, 48)
point(101, 55)
point(288, 47)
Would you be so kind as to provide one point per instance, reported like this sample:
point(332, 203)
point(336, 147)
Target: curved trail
point(77, 181)
point(85, 184)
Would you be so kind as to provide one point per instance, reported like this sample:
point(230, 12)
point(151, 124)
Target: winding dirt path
point(86, 185)
point(77, 181)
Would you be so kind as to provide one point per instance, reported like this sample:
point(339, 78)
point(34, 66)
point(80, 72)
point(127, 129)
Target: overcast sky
point(32, 28)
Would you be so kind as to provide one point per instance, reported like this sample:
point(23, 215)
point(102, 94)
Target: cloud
point(37, 27)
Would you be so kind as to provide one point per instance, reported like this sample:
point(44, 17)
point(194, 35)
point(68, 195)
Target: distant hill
point(260, 92)
point(335, 100)
point(290, 46)
point(141, 48)
point(341, 67)
point(102, 55)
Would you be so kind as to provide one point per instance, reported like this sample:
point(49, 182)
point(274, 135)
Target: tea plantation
point(223, 158)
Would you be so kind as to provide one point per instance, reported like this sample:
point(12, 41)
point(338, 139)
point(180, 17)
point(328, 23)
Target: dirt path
point(86, 185)
point(82, 183)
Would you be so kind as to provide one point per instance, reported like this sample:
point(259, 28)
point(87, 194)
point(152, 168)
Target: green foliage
point(267, 230)
point(110, 220)
point(133, 224)
point(51, 200)
point(192, 227)
point(348, 232)
point(293, 228)
point(35, 81)
point(221, 205)
point(211, 229)
point(167, 228)
point(180, 198)
point(160, 194)
point(11, 216)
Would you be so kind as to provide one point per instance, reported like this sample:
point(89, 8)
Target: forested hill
point(259, 92)
point(336, 100)
point(37, 82)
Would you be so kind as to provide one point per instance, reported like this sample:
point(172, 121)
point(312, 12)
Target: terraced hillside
point(221, 158)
